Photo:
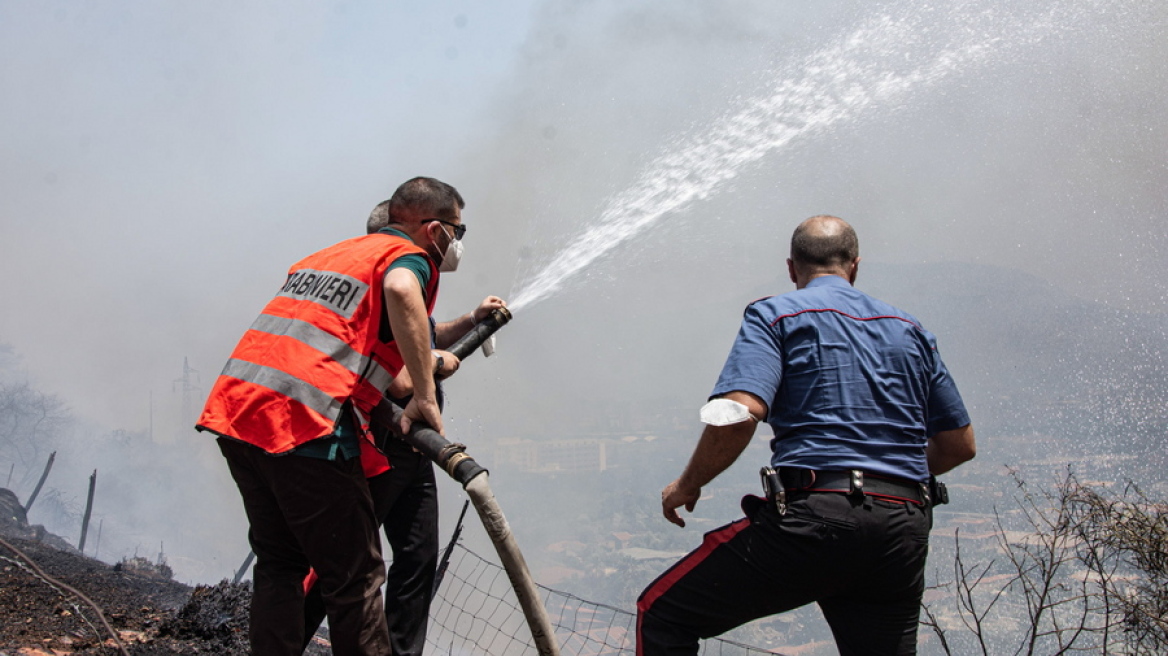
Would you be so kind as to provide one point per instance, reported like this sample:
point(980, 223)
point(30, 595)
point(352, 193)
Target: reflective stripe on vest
point(284, 383)
point(314, 347)
point(329, 345)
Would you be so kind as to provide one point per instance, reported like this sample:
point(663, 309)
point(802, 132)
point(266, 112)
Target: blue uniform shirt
point(851, 382)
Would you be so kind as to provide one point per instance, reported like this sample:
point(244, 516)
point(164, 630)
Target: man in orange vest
point(291, 409)
point(402, 484)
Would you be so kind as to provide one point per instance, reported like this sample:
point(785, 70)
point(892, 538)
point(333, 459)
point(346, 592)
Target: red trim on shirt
point(889, 316)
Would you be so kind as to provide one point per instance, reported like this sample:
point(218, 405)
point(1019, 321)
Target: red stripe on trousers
point(714, 539)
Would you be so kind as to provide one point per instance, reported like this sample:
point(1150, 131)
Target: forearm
point(948, 449)
point(720, 446)
point(717, 449)
point(411, 329)
point(449, 332)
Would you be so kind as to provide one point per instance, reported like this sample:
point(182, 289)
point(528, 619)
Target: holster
point(938, 493)
point(772, 487)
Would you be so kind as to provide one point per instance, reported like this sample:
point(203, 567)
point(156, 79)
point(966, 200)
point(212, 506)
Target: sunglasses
point(459, 229)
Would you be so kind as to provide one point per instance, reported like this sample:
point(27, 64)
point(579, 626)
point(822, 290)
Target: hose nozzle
point(481, 332)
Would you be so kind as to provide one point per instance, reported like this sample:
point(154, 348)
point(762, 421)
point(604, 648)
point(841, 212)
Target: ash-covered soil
point(152, 614)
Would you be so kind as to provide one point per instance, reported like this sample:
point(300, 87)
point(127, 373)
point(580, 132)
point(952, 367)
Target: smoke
point(165, 164)
point(885, 60)
point(1038, 157)
point(1029, 171)
point(168, 162)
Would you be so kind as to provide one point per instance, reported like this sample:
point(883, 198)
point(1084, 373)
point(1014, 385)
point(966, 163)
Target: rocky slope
point(50, 596)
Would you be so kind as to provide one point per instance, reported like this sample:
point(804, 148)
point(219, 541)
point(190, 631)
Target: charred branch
point(88, 512)
point(40, 483)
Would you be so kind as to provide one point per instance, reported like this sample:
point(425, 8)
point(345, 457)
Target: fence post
point(243, 568)
point(88, 511)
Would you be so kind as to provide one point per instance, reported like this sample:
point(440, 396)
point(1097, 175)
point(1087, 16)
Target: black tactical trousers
point(861, 559)
point(309, 512)
point(405, 501)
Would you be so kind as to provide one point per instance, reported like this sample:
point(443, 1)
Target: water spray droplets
point(877, 65)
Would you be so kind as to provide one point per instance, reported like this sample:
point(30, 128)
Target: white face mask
point(451, 257)
point(725, 412)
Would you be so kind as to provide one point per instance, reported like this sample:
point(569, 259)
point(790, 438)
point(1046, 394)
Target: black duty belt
point(792, 480)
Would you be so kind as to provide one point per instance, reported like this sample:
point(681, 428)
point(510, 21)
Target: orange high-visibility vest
point(314, 347)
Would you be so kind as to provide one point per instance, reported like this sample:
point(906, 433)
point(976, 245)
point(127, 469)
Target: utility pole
point(189, 384)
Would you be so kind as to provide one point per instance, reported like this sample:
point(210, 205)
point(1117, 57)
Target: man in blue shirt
point(863, 412)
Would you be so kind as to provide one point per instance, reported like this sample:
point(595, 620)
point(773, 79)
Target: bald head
point(823, 245)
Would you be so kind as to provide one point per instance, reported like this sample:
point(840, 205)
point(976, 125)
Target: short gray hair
point(378, 218)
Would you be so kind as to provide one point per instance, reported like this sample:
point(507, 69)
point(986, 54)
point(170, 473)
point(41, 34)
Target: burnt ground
point(151, 613)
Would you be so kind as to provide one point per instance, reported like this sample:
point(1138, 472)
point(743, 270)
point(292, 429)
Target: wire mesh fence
point(476, 612)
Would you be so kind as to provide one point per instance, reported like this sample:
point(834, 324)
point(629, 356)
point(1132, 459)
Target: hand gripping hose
point(460, 466)
point(475, 337)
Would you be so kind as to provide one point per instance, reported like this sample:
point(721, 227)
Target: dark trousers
point(861, 559)
point(405, 501)
point(308, 512)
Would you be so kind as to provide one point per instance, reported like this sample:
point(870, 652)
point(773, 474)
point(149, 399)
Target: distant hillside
point(1030, 357)
point(1019, 329)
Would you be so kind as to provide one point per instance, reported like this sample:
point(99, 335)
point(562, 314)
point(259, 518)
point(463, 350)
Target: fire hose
point(459, 465)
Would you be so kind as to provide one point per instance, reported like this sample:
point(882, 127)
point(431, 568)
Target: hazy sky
point(164, 163)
